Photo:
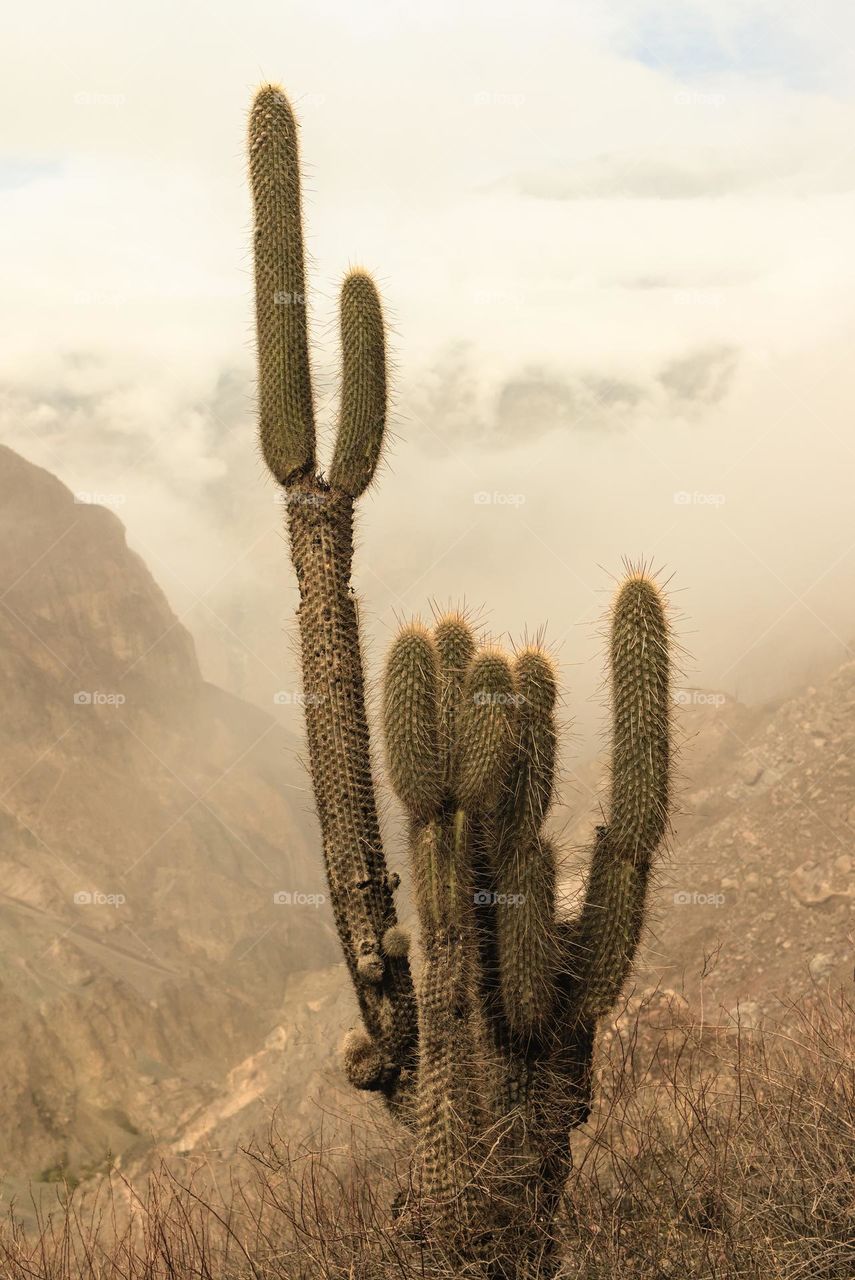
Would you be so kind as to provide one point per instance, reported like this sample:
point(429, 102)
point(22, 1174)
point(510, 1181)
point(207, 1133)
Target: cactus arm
point(484, 731)
point(455, 645)
point(285, 406)
point(525, 858)
point(447, 712)
point(411, 693)
point(362, 414)
point(602, 944)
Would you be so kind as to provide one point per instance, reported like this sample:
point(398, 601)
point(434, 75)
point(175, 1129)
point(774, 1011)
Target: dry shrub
point(721, 1152)
point(712, 1153)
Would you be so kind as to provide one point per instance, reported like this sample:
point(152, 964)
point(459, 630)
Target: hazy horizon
point(615, 251)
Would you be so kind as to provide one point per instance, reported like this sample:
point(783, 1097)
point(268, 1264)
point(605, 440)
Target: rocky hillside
point(756, 900)
point(151, 830)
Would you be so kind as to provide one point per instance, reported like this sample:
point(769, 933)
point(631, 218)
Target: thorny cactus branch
point(320, 526)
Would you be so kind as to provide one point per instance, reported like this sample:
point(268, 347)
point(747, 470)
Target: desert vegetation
point(721, 1154)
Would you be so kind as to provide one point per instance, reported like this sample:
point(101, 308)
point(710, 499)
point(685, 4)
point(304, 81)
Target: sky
point(616, 253)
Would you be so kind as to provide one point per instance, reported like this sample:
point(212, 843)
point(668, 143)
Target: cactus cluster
point(490, 1063)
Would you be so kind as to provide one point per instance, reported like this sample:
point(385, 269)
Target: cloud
point(702, 377)
point(449, 404)
point(690, 173)
point(635, 176)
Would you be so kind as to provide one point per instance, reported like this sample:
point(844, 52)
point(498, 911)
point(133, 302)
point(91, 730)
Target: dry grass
point(710, 1155)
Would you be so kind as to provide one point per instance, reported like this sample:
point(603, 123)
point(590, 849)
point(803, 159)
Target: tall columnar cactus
point(320, 526)
point(491, 1065)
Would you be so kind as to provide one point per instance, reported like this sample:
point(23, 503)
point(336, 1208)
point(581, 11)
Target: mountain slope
point(147, 819)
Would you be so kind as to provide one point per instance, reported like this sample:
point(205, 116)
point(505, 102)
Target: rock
point(730, 883)
point(843, 864)
point(752, 881)
point(821, 965)
point(751, 772)
point(810, 887)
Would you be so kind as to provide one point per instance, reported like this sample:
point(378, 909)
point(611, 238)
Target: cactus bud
point(396, 942)
point(363, 1061)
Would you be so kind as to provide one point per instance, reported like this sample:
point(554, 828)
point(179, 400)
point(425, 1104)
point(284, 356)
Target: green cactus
point(491, 1064)
point(320, 527)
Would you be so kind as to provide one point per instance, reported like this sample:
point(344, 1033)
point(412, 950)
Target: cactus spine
point(491, 1065)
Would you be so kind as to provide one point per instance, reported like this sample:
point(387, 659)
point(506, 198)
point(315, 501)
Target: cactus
point(320, 528)
point(490, 1065)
